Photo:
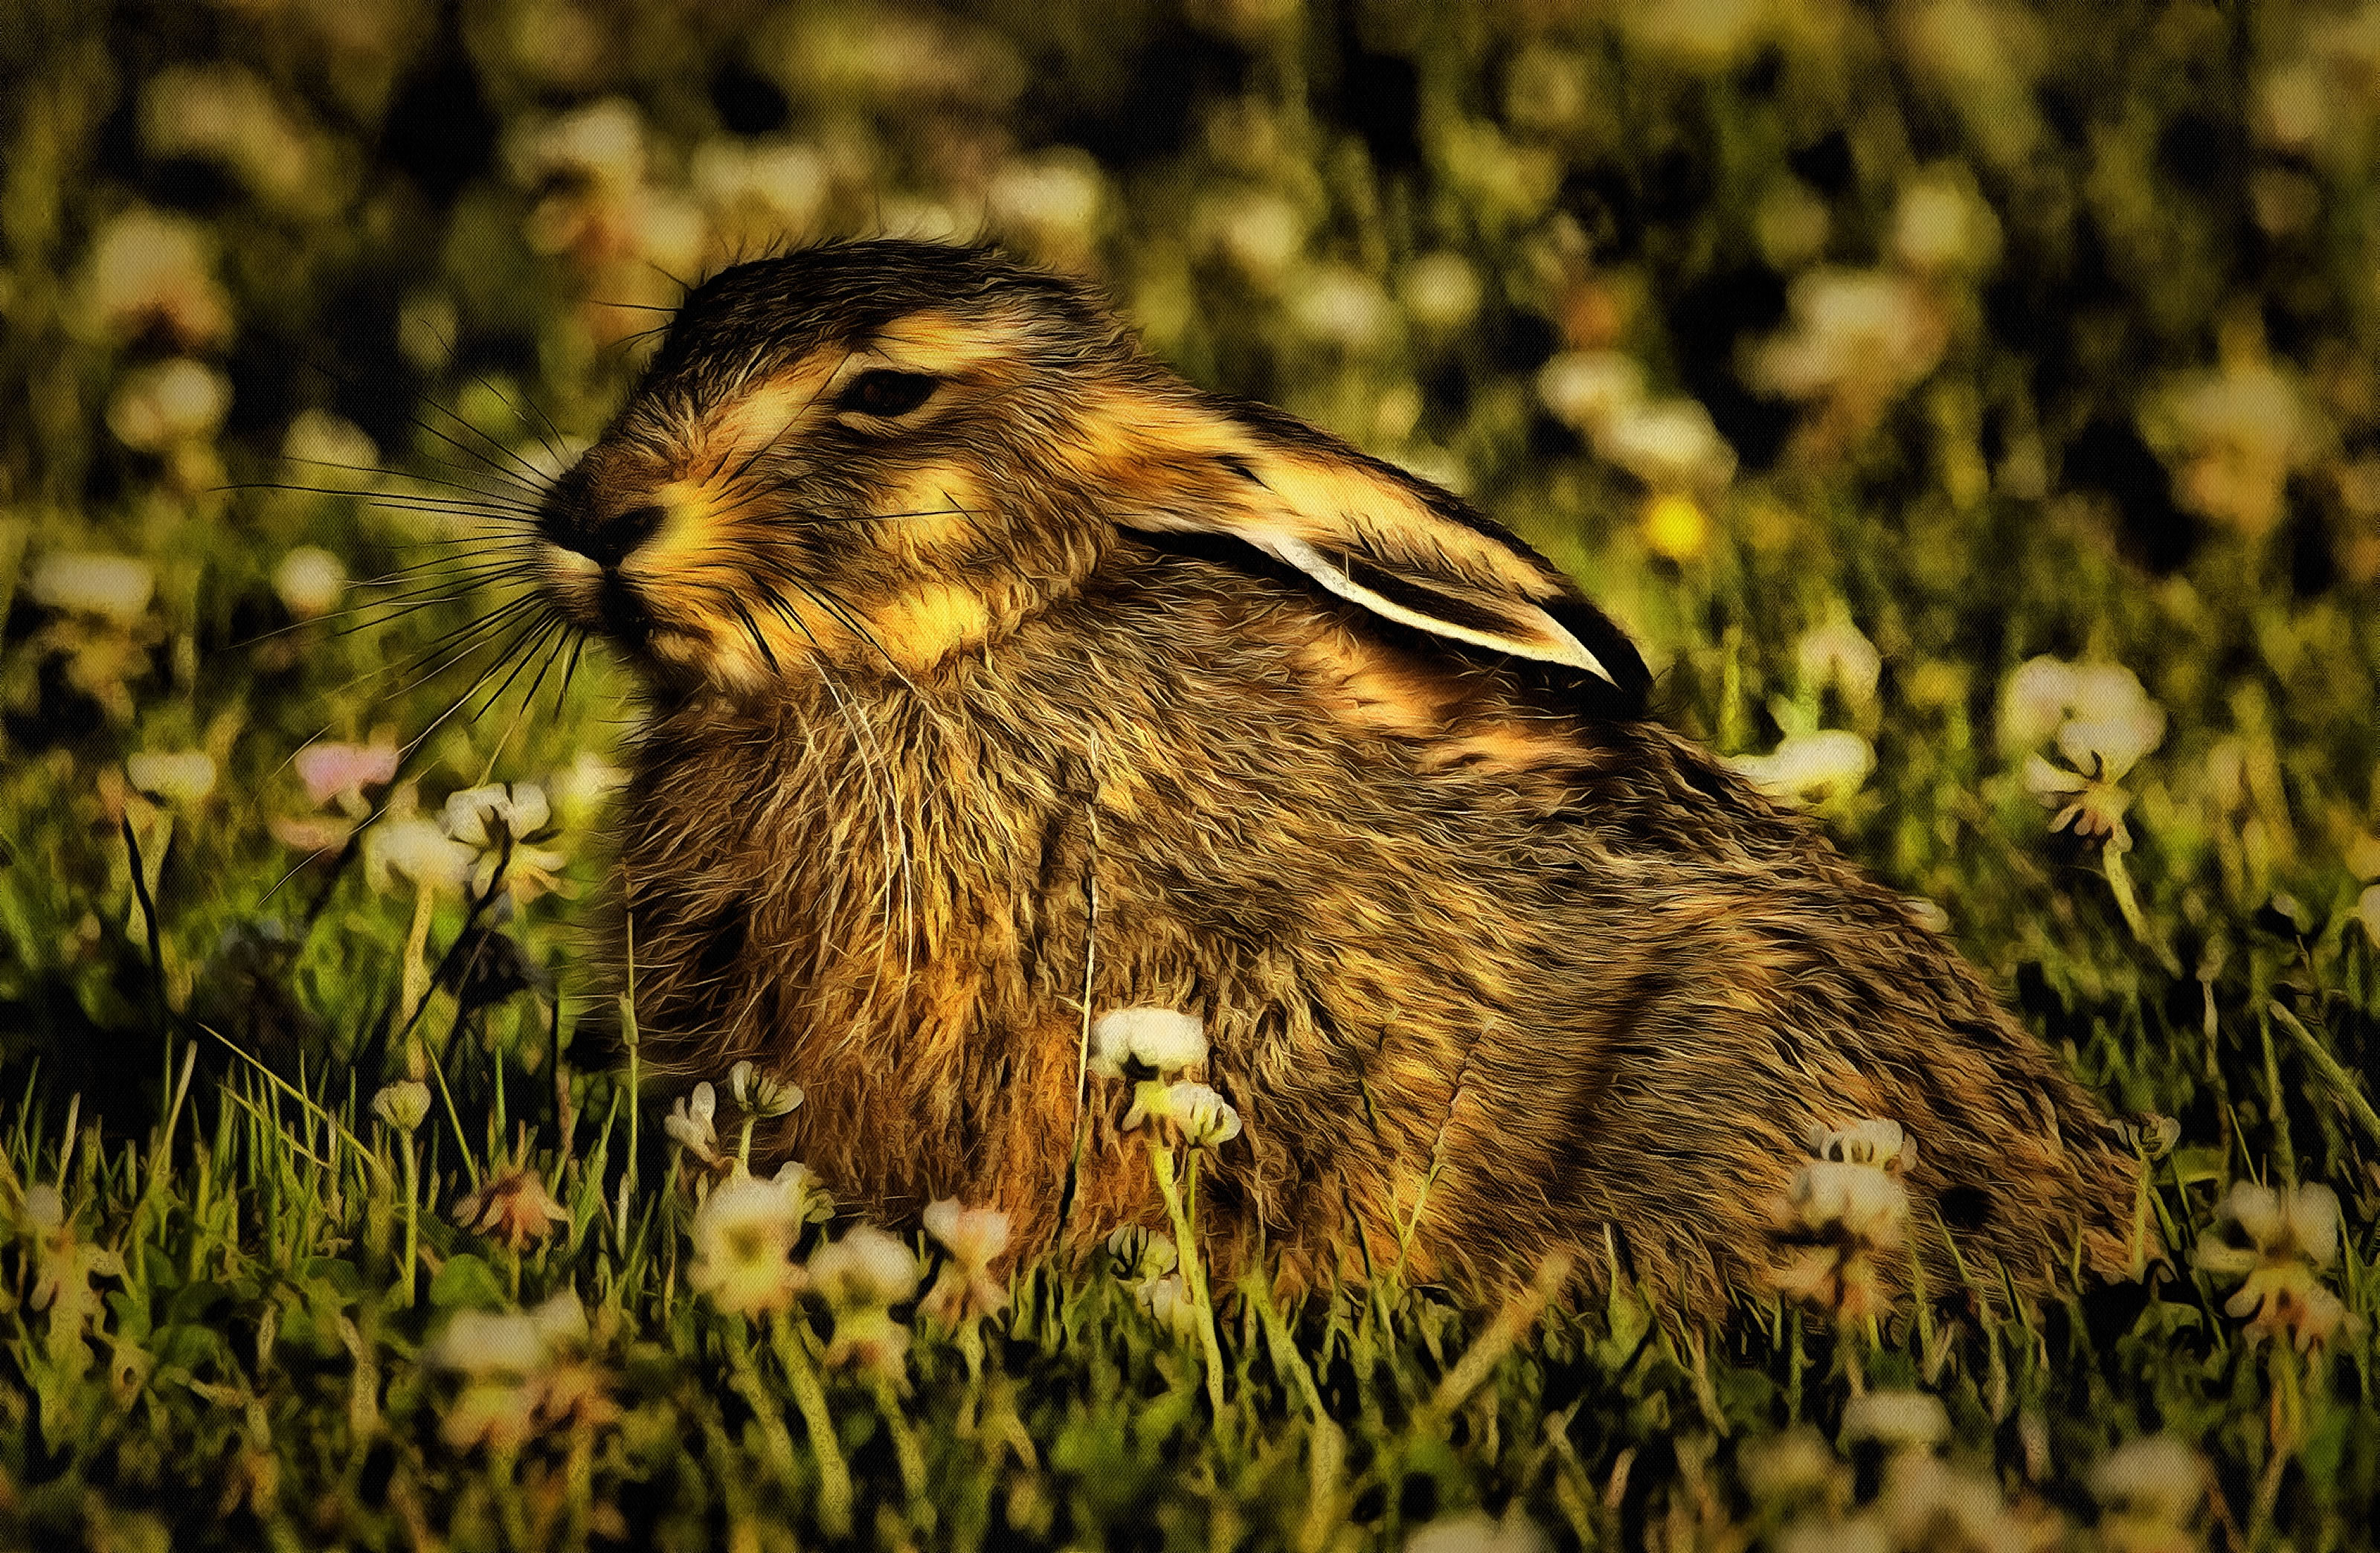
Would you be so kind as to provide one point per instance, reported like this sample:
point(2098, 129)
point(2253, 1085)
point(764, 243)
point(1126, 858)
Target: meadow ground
point(1971, 407)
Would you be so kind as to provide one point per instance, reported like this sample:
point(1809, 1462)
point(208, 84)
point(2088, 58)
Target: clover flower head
point(485, 816)
point(2277, 1243)
point(416, 849)
point(1819, 763)
point(1897, 1420)
point(1167, 1300)
point(181, 776)
point(341, 771)
point(402, 1105)
point(867, 1267)
point(861, 1277)
point(308, 582)
point(974, 1237)
point(1198, 1113)
point(762, 1095)
point(1160, 1038)
point(1135, 1251)
point(115, 587)
point(692, 1124)
point(522, 1370)
point(1927, 1503)
point(2150, 1483)
point(1871, 1141)
point(512, 1206)
point(1478, 1533)
point(1839, 653)
point(1839, 1212)
point(744, 1235)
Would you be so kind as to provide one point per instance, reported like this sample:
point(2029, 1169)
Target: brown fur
point(1492, 964)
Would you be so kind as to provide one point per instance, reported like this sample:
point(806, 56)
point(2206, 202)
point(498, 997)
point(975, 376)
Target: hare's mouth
point(624, 612)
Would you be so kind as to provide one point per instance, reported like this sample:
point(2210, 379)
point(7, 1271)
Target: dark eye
point(886, 393)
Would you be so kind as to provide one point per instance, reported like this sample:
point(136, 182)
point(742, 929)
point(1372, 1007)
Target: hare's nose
point(610, 543)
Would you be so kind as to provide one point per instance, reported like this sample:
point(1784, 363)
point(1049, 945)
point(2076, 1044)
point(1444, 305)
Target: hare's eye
point(883, 393)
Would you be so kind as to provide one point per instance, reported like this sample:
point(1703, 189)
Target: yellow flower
point(1675, 528)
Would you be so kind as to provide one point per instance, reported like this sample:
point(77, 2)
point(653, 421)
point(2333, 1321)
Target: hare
point(997, 675)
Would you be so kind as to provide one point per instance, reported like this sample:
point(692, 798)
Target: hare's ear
point(1398, 546)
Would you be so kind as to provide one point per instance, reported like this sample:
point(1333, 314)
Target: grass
point(2010, 353)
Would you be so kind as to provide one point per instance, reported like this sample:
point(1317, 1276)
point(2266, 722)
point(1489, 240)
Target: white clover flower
point(1202, 1116)
point(149, 270)
point(164, 403)
point(2277, 1243)
point(482, 1342)
point(867, 1267)
point(1054, 198)
point(1262, 233)
point(2112, 722)
point(308, 582)
point(692, 1123)
point(1476, 1532)
point(475, 816)
point(402, 1105)
point(1931, 1505)
point(1340, 305)
point(1859, 1201)
point(975, 1238)
point(580, 788)
point(1872, 1142)
point(2155, 1478)
point(1859, 334)
point(1136, 1253)
point(813, 1204)
point(1165, 1039)
point(1441, 290)
point(1899, 1420)
point(512, 1205)
point(1167, 1300)
point(763, 1095)
point(2036, 697)
point(417, 850)
point(1670, 444)
point(1840, 654)
point(338, 449)
point(744, 1236)
point(115, 587)
point(1831, 761)
point(2237, 433)
point(181, 776)
point(1939, 224)
point(1587, 389)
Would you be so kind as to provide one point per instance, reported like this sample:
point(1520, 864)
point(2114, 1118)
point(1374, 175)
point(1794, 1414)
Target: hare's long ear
point(1370, 533)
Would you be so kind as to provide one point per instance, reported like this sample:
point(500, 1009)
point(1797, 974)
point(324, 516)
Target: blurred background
point(1854, 356)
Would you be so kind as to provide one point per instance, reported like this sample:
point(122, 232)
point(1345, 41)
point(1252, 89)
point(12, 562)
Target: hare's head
point(888, 452)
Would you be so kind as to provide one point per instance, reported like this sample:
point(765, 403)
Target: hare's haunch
point(991, 665)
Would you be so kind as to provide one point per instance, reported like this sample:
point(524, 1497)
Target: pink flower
point(334, 771)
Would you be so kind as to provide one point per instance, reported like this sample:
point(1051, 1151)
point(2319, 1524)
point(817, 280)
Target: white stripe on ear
point(1547, 643)
point(1366, 532)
